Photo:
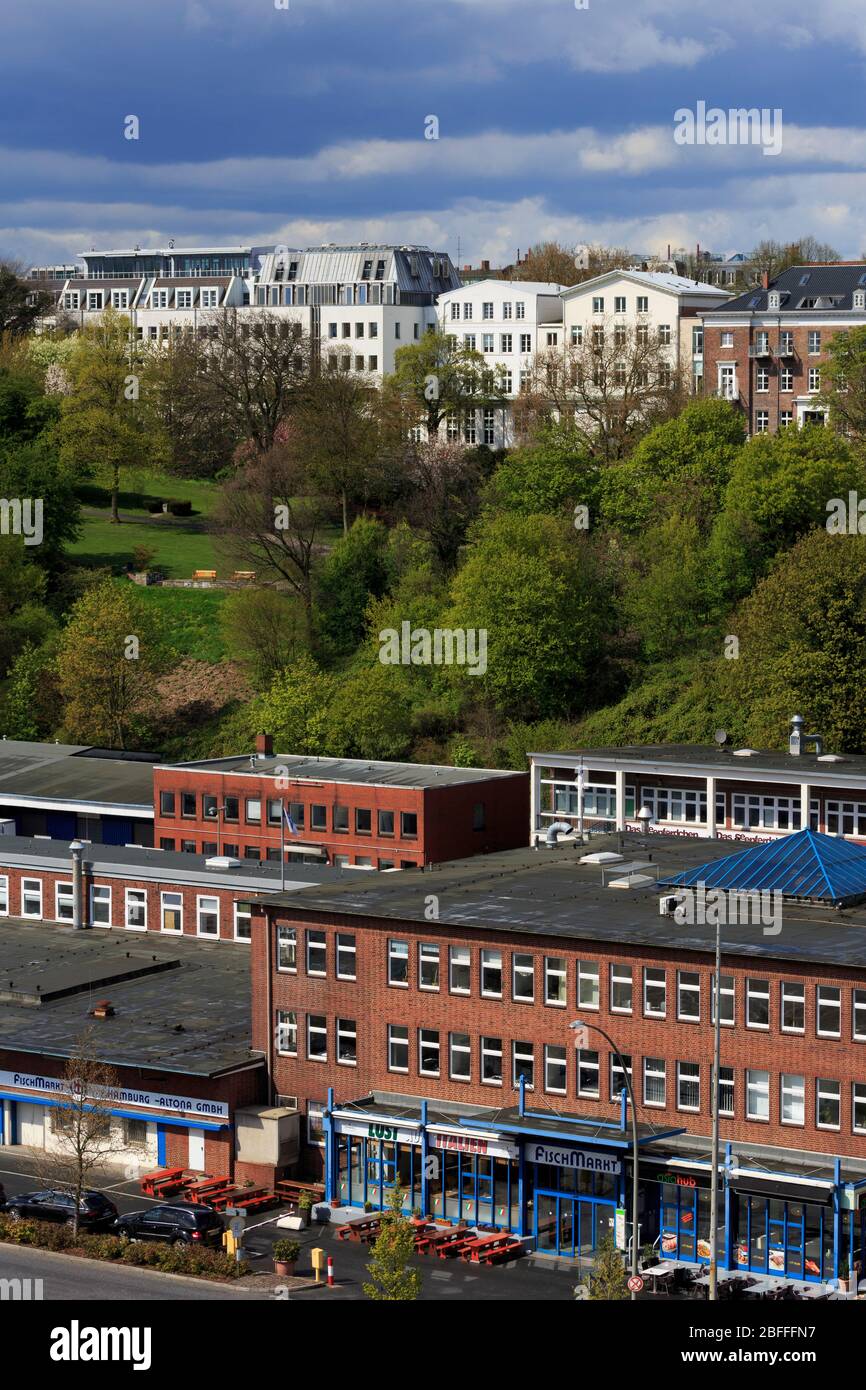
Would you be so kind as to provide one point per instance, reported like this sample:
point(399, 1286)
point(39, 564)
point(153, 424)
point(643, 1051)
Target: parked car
point(177, 1223)
point(96, 1212)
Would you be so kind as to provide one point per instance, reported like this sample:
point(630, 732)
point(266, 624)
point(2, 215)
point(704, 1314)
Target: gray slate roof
point(825, 283)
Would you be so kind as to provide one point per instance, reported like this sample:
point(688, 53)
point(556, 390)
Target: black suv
point(96, 1213)
point(183, 1223)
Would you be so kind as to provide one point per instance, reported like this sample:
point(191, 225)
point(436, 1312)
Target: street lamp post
point(579, 1023)
point(714, 1178)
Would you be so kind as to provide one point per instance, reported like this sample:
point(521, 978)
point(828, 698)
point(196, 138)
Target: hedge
point(170, 1259)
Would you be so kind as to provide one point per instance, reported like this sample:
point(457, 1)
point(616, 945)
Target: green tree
point(553, 474)
point(295, 707)
point(20, 305)
point(337, 419)
point(355, 570)
point(370, 715)
point(194, 431)
point(264, 629)
point(843, 378)
point(28, 709)
point(684, 463)
point(110, 653)
point(664, 587)
point(24, 617)
point(802, 646)
point(608, 1282)
point(779, 489)
point(102, 430)
point(441, 377)
point(392, 1279)
point(33, 469)
point(536, 587)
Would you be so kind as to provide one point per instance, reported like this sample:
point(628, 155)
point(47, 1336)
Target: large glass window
point(620, 989)
point(63, 901)
point(728, 999)
point(793, 1099)
point(136, 909)
point(617, 1075)
point(459, 968)
point(523, 1062)
point(428, 1051)
point(31, 897)
point(654, 992)
point(793, 1007)
point(688, 996)
point(491, 1061)
point(317, 1038)
point(588, 984)
point(555, 1069)
point(523, 978)
point(588, 1073)
point(757, 1003)
point(317, 953)
point(287, 948)
point(491, 974)
point(398, 1047)
point(428, 965)
point(829, 1011)
point(757, 1095)
point(171, 905)
point(654, 1081)
point(459, 1057)
point(554, 981)
point(688, 1086)
point(207, 916)
point(828, 1104)
point(347, 1042)
point(346, 956)
point(398, 963)
point(287, 1032)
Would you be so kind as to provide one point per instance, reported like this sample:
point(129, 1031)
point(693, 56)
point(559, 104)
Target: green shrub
point(180, 508)
point(170, 1259)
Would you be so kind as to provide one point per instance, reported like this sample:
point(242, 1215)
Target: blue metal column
point(521, 1190)
point(425, 1180)
point(729, 1234)
point(161, 1145)
point(331, 1160)
point(837, 1216)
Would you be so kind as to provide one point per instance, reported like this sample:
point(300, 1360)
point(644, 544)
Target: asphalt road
point(70, 1277)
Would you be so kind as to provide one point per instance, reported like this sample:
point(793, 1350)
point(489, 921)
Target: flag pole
point(282, 847)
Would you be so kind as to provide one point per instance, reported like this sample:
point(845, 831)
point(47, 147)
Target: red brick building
point(342, 811)
point(402, 1013)
point(764, 351)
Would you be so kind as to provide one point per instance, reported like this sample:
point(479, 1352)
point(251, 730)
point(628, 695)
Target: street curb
point(196, 1280)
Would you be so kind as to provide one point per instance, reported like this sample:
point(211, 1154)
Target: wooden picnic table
point(360, 1230)
point(207, 1187)
point(148, 1181)
point(293, 1188)
point(480, 1244)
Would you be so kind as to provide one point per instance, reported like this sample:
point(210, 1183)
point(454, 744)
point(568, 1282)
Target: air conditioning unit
point(669, 903)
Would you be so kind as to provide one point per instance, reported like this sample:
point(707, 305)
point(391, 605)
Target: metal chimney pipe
point(78, 915)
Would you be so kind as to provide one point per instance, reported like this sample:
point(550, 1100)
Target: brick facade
point(373, 1004)
point(444, 824)
point(778, 393)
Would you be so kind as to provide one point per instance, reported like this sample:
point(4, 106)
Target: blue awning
point(805, 865)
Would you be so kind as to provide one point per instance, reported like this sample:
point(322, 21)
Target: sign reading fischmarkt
point(560, 1157)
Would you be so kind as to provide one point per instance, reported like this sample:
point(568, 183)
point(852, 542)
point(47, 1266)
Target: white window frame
point(453, 953)
point(787, 1090)
point(834, 1005)
point(687, 991)
point(491, 1052)
point(834, 1091)
point(761, 1089)
point(688, 1080)
point(583, 1063)
point(858, 1102)
point(519, 1058)
point(312, 1056)
point(435, 1046)
point(655, 1068)
point(172, 907)
point(550, 1061)
point(315, 940)
point(289, 936)
point(67, 898)
point(287, 1028)
point(589, 972)
point(728, 991)
point(464, 1048)
point(522, 972)
point(31, 891)
point(4, 895)
point(200, 911)
point(757, 994)
point(791, 992)
point(429, 951)
point(556, 973)
point(655, 984)
point(490, 964)
point(394, 1042)
point(858, 1015)
point(350, 951)
point(137, 896)
point(242, 912)
point(621, 975)
point(347, 1029)
point(100, 893)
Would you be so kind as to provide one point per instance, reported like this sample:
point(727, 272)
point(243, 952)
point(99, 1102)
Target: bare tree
point(271, 515)
point(252, 368)
point(82, 1123)
point(442, 498)
point(552, 263)
point(616, 384)
point(336, 421)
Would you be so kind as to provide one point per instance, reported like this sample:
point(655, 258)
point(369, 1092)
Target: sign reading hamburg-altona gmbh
point(572, 1158)
point(154, 1100)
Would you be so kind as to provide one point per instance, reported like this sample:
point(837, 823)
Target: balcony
point(759, 350)
point(785, 350)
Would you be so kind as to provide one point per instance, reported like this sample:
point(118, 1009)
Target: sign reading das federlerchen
point(571, 1158)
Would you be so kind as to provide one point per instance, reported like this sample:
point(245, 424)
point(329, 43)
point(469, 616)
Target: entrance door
point(196, 1149)
point(571, 1226)
point(31, 1125)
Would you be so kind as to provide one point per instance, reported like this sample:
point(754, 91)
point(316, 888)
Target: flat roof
point(839, 766)
point(180, 1005)
point(302, 767)
point(550, 893)
point(65, 774)
point(141, 862)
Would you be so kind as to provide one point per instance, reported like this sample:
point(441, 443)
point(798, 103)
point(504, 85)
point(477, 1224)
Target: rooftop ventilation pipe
point(553, 831)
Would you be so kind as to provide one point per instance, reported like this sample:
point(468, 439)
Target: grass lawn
point(139, 486)
point(177, 551)
point(189, 619)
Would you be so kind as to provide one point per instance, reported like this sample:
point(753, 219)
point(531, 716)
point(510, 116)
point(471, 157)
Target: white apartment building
point(508, 322)
point(358, 304)
point(667, 307)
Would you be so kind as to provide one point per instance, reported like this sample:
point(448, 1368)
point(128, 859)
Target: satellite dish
point(720, 736)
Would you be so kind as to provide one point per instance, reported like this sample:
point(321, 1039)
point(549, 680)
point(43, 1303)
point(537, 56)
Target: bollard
point(330, 1272)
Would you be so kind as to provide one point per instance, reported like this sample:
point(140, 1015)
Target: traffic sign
point(237, 1226)
point(635, 1283)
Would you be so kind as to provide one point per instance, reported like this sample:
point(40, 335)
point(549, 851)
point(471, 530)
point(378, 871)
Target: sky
point(305, 121)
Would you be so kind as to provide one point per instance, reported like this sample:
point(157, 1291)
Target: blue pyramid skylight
point(805, 865)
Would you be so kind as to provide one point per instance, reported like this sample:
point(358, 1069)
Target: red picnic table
point(360, 1230)
point(206, 1188)
point(489, 1249)
point(151, 1183)
point(452, 1243)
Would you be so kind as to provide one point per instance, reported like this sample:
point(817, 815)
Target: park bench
point(206, 1188)
point(246, 576)
point(204, 574)
point(291, 1189)
point(360, 1230)
point(490, 1249)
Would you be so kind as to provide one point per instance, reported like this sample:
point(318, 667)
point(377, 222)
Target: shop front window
point(786, 1238)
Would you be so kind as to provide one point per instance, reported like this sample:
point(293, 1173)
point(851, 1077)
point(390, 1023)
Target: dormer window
point(293, 271)
point(860, 299)
point(804, 279)
point(210, 298)
point(94, 300)
point(367, 270)
point(774, 300)
point(380, 270)
point(70, 300)
point(183, 299)
point(159, 299)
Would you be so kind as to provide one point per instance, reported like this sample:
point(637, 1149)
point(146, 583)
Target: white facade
point(667, 307)
point(508, 322)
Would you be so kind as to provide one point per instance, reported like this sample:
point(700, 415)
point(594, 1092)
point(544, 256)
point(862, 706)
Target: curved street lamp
point(580, 1024)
